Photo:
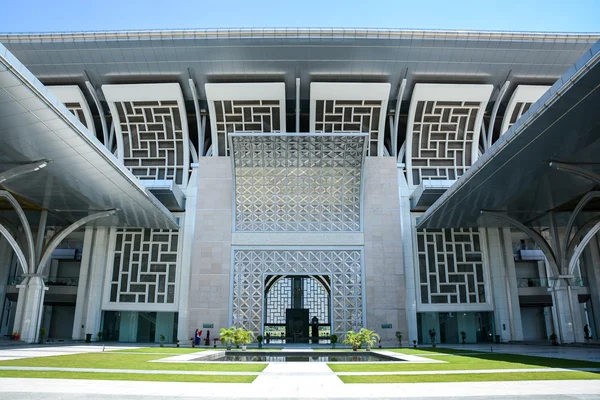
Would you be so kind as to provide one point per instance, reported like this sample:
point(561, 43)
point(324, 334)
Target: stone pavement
point(288, 388)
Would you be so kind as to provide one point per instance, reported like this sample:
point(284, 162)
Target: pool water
point(288, 356)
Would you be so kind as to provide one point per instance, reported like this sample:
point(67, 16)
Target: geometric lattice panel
point(343, 267)
point(278, 299)
point(144, 266)
point(443, 130)
point(151, 130)
point(300, 183)
point(244, 107)
point(315, 298)
point(451, 267)
point(351, 107)
point(522, 98)
point(74, 100)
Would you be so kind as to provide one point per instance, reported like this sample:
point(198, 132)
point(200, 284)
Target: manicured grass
point(129, 377)
point(466, 361)
point(162, 350)
point(508, 376)
point(115, 360)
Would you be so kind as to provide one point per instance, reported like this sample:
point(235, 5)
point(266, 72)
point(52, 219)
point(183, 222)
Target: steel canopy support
point(194, 90)
point(94, 95)
point(495, 112)
point(25, 223)
point(23, 169)
point(298, 105)
point(576, 170)
point(51, 246)
point(397, 117)
point(536, 237)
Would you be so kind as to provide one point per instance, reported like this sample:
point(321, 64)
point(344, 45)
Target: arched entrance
point(297, 308)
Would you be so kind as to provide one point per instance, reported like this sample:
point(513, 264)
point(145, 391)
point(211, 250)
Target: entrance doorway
point(297, 309)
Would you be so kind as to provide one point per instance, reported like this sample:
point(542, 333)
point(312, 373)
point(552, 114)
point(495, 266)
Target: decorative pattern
point(316, 299)
point(335, 116)
point(279, 298)
point(246, 116)
point(342, 266)
point(443, 134)
point(77, 110)
point(520, 109)
point(451, 266)
point(144, 266)
point(522, 98)
point(305, 183)
point(153, 141)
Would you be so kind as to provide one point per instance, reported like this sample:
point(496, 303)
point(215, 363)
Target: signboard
point(208, 325)
point(386, 326)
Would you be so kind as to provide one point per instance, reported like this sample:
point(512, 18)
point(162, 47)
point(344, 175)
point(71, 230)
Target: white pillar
point(408, 255)
point(31, 297)
point(93, 312)
point(507, 311)
point(570, 322)
point(185, 264)
point(82, 288)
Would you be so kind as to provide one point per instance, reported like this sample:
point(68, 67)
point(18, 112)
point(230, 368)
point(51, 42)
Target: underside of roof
point(518, 176)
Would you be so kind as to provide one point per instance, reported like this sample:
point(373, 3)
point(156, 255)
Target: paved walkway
point(11, 388)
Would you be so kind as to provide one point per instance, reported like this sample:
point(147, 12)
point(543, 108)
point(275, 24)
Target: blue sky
point(519, 15)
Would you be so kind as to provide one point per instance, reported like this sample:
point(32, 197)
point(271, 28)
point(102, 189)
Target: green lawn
point(112, 360)
point(509, 376)
point(162, 350)
point(457, 360)
point(129, 377)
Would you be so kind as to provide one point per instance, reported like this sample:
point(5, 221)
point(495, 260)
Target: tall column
point(96, 281)
point(29, 308)
point(507, 312)
point(408, 236)
point(591, 263)
point(568, 312)
point(82, 288)
point(5, 258)
point(189, 220)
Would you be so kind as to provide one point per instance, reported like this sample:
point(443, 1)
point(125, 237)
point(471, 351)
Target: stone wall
point(386, 303)
point(211, 252)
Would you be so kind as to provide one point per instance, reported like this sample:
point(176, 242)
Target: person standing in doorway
point(586, 332)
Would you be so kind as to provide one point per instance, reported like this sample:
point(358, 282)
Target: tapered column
point(29, 308)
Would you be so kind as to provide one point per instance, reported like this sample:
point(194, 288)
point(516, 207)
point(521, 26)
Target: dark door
point(296, 325)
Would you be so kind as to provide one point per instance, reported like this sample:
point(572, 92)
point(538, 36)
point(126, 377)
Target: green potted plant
point(399, 338)
point(463, 336)
point(333, 339)
point(42, 334)
point(415, 344)
point(243, 337)
point(259, 339)
point(554, 339)
point(162, 340)
point(368, 337)
point(99, 336)
point(227, 336)
point(354, 339)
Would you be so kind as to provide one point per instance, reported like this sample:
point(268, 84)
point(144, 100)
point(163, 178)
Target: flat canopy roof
point(515, 175)
point(82, 176)
point(284, 54)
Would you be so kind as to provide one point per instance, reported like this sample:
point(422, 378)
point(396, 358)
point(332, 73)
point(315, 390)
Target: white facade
point(328, 211)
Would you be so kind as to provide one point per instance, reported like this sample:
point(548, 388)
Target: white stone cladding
point(350, 107)
point(442, 134)
point(73, 98)
point(244, 107)
point(151, 128)
point(520, 101)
